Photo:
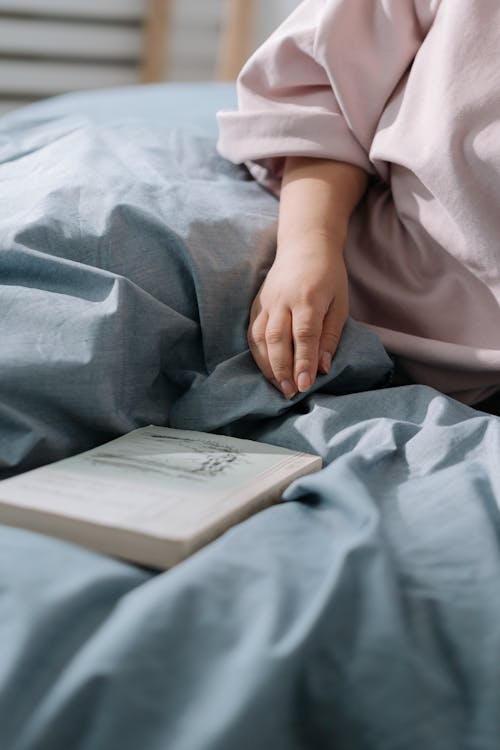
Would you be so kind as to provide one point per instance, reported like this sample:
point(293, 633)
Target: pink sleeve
point(318, 86)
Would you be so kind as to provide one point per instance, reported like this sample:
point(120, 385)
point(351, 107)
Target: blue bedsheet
point(363, 611)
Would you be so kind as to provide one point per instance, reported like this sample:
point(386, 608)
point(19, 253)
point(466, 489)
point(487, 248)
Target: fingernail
point(303, 381)
point(325, 361)
point(287, 388)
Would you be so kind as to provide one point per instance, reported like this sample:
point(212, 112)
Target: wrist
point(314, 241)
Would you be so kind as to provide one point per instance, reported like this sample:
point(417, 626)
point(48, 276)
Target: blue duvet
point(363, 611)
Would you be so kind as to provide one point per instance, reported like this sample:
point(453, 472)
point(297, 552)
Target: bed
point(362, 611)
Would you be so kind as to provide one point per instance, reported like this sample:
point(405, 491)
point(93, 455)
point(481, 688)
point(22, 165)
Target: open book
point(153, 496)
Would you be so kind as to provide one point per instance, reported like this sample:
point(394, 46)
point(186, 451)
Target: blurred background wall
point(270, 13)
point(49, 47)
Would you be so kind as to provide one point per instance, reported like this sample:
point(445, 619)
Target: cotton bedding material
point(362, 611)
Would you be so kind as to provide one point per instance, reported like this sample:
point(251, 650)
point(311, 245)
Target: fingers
point(306, 329)
point(279, 350)
point(256, 337)
point(333, 325)
point(290, 346)
point(270, 341)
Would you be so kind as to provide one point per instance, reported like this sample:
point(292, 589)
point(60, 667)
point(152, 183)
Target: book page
point(188, 462)
point(151, 477)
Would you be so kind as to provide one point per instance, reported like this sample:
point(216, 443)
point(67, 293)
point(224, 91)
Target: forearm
point(297, 318)
point(318, 197)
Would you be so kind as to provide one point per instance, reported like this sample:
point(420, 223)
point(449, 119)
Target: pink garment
point(410, 91)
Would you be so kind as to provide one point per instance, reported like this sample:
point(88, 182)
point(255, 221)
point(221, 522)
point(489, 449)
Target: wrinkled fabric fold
point(361, 613)
point(128, 264)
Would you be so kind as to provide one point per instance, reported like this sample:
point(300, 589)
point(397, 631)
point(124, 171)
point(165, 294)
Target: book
point(153, 496)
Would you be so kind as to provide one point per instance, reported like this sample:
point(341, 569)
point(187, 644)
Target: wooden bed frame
point(234, 46)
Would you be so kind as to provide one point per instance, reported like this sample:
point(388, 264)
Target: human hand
point(298, 315)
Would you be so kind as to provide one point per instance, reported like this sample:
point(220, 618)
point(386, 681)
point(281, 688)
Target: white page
point(154, 480)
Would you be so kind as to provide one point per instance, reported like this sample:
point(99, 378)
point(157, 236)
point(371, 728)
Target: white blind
point(120, 10)
point(55, 38)
point(54, 46)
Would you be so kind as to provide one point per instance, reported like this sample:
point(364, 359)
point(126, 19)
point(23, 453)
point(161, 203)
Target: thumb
point(333, 325)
